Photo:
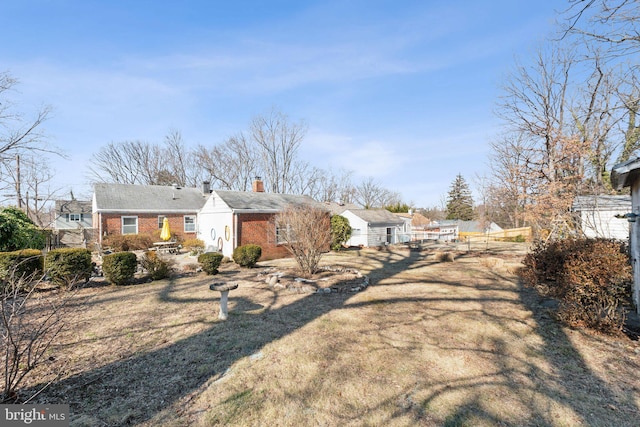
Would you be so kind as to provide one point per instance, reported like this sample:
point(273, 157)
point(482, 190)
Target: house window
point(161, 221)
point(129, 225)
point(189, 223)
point(75, 217)
point(284, 234)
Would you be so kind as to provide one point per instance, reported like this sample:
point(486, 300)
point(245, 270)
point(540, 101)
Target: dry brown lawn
point(430, 342)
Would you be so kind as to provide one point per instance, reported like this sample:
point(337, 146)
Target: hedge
point(210, 261)
point(247, 255)
point(119, 268)
point(26, 263)
point(67, 266)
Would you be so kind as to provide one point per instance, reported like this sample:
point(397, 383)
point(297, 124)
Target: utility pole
point(18, 195)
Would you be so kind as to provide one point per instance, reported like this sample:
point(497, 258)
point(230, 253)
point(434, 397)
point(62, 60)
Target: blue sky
point(401, 91)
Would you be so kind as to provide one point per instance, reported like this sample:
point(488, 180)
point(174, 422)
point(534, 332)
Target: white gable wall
point(215, 226)
point(359, 230)
point(603, 223)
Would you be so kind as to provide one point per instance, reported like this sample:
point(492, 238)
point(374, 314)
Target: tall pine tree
point(460, 202)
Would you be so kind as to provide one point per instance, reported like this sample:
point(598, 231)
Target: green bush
point(157, 267)
point(25, 264)
point(340, 231)
point(247, 255)
point(67, 266)
point(210, 261)
point(119, 268)
point(591, 278)
point(17, 231)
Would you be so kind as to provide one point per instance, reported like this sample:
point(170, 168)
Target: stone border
point(299, 286)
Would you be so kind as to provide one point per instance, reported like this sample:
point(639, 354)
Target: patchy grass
point(429, 343)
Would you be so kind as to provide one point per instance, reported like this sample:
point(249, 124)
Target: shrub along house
point(120, 209)
point(230, 219)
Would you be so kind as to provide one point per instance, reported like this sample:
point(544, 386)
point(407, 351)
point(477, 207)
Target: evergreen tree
point(460, 202)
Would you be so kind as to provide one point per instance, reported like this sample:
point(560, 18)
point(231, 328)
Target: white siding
point(215, 226)
point(359, 230)
point(634, 242)
point(597, 223)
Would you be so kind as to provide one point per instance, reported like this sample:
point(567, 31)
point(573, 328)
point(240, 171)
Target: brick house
point(230, 219)
point(222, 219)
point(140, 209)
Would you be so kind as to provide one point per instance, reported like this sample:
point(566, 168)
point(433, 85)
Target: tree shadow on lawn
point(568, 381)
point(135, 389)
point(140, 387)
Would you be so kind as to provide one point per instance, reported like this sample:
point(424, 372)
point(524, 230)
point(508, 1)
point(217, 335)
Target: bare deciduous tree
point(141, 162)
point(36, 193)
point(370, 194)
point(17, 133)
point(178, 159)
point(613, 23)
point(278, 139)
point(231, 165)
point(551, 150)
point(28, 327)
point(306, 233)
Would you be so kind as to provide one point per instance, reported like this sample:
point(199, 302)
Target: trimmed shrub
point(247, 255)
point(24, 264)
point(210, 261)
point(119, 268)
point(67, 266)
point(591, 278)
point(194, 246)
point(157, 267)
point(129, 242)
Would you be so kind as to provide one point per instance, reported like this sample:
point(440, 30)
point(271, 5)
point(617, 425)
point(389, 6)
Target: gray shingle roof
point(338, 208)
point(377, 216)
point(73, 206)
point(263, 201)
point(147, 198)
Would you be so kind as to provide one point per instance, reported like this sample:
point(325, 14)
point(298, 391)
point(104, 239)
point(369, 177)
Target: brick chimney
point(258, 185)
point(206, 187)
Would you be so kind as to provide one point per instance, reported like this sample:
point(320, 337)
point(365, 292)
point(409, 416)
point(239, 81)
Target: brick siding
point(147, 224)
point(258, 229)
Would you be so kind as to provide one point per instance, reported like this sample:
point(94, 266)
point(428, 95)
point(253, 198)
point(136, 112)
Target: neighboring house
point(223, 220)
point(140, 209)
point(373, 227)
point(627, 174)
point(73, 214)
point(596, 216)
point(230, 219)
point(416, 227)
point(476, 227)
point(404, 232)
point(72, 226)
point(439, 230)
